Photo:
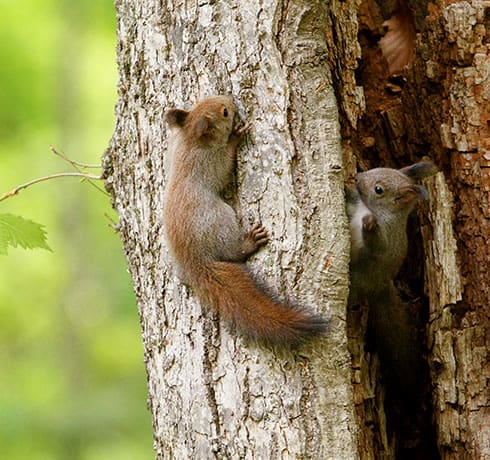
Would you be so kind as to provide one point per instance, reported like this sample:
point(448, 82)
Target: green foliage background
point(72, 382)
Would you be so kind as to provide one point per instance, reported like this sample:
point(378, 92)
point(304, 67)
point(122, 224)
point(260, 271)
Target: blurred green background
point(72, 382)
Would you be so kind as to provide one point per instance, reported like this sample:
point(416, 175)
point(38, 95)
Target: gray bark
point(211, 394)
point(441, 111)
point(454, 54)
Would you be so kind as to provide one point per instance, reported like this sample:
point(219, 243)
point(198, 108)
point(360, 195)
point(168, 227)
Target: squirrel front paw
point(239, 130)
point(238, 133)
point(369, 222)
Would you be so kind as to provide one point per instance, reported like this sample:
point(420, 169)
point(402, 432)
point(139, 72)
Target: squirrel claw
point(254, 240)
point(259, 235)
point(239, 130)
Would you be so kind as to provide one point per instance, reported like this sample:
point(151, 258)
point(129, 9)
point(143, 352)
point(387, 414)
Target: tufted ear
point(419, 170)
point(176, 117)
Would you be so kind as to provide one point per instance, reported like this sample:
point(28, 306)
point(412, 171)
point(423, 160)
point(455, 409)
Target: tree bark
point(439, 108)
point(292, 68)
point(454, 56)
point(211, 394)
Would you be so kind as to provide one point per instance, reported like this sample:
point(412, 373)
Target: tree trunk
point(211, 393)
point(455, 57)
point(439, 107)
point(292, 69)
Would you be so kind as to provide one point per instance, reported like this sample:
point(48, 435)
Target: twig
point(112, 223)
point(72, 162)
point(100, 189)
point(77, 166)
point(17, 189)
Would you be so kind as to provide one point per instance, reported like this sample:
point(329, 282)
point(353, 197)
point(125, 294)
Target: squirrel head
point(394, 192)
point(209, 121)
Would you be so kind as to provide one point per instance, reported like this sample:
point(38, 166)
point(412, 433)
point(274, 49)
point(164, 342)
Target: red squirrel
point(203, 232)
point(378, 209)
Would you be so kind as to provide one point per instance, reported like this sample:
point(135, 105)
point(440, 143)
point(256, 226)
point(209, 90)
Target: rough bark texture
point(454, 58)
point(211, 394)
point(437, 107)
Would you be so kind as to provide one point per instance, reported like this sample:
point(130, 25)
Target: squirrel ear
point(419, 170)
point(201, 127)
point(176, 117)
point(421, 191)
point(407, 195)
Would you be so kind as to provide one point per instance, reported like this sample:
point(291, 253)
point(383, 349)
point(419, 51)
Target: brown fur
point(203, 232)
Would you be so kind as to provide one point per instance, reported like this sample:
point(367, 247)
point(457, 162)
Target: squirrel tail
point(229, 288)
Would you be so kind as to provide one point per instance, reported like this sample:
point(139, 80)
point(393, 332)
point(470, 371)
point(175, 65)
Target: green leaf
point(17, 231)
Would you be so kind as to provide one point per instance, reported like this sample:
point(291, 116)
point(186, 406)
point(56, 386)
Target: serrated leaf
point(17, 231)
point(4, 241)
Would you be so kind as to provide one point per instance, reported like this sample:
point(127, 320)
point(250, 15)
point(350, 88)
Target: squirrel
point(203, 232)
point(378, 208)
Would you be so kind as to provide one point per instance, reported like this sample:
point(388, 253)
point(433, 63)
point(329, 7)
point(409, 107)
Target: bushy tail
point(229, 288)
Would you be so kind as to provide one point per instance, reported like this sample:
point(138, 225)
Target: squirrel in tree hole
point(378, 208)
point(203, 232)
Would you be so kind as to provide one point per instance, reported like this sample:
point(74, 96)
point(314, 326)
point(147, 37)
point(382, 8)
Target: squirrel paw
point(369, 222)
point(259, 235)
point(239, 131)
point(254, 239)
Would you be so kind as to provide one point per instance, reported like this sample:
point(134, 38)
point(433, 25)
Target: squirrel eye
point(225, 112)
point(378, 189)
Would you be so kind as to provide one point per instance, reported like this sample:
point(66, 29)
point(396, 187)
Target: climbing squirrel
point(378, 208)
point(203, 232)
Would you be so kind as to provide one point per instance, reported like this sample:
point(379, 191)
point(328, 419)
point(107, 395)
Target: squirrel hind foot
point(254, 240)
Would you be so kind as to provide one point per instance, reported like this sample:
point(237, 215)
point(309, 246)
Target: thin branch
point(100, 189)
point(112, 223)
point(17, 189)
point(72, 162)
point(77, 166)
